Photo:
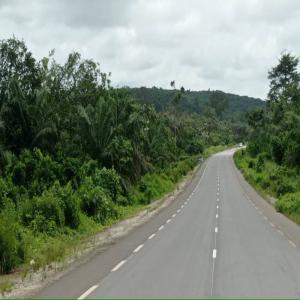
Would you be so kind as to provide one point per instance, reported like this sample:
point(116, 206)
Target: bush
point(260, 163)
point(277, 149)
point(195, 147)
point(9, 244)
point(96, 202)
point(8, 191)
point(289, 204)
point(71, 171)
point(88, 169)
point(70, 203)
point(109, 180)
point(285, 186)
point(43, 213)
point(34, 170)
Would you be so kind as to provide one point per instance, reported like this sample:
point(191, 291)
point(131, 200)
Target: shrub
point(289, 204)
point(7, 190)
point(260, 163)
point(109, 180)
point(96, 202)
point(71, 171)
point(277, 149)
point(285, 186)
point(43, 213)
point(195, 147)
point(70, 203)
point(9, 244)
point(35, 171)
point(251, 164)
point(88, 169)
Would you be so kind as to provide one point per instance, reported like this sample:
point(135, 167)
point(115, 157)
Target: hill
point(196, 101)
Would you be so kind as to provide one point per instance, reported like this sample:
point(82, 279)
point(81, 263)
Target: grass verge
point(271, 179)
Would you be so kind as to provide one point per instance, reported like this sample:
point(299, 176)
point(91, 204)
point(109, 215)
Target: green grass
point(271, 179)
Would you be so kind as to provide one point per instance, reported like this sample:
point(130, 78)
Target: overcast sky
point(218, 44)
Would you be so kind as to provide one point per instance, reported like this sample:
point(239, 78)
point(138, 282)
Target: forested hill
point(197, 101)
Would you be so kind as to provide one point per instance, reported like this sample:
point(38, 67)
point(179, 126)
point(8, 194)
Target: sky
point(224, 45)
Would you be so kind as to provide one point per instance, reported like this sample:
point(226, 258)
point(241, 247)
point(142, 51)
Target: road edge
point(36, 281)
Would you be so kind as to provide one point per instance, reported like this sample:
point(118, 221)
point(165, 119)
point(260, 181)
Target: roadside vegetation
point(77, 155)
point(271, 161)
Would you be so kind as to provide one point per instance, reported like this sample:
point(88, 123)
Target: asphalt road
point(218, 239)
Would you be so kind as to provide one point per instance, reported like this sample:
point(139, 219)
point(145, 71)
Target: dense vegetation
point(272, 158)
point(77, 154)
point(233, 107)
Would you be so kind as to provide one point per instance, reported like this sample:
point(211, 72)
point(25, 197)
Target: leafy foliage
point(272, 161)
point(76, 153)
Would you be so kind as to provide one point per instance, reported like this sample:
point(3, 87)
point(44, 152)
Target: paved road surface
point(218, 239)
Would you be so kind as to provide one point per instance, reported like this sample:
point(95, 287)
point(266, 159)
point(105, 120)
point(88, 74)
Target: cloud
point(216, 44)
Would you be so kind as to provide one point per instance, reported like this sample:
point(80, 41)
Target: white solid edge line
point(119, 265)
point(214, 255)
point(216, 229)
point(161, 227)
point(89, 291)
point(152, 236)
point(138, 248)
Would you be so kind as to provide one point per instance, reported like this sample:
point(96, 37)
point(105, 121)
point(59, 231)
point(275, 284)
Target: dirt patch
point(35, 281)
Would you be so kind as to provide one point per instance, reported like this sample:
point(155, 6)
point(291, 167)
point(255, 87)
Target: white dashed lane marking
point(279, 231)
point(216, 229)
point(217, 216)
point(151, 236)
point(161, 227)
point(214, 255)
point(168, 221)
point(291, 243)
point(138, 248)
point(174, 215)
point(89, 291)
point(119, 265)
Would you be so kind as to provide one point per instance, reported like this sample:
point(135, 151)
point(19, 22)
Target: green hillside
point(197, 101)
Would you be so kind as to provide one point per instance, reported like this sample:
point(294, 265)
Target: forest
point(233, 109)
point(77, 154)
point(271, 161)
